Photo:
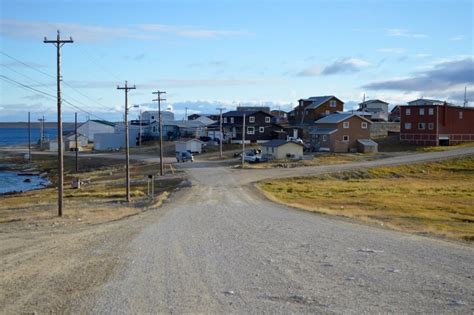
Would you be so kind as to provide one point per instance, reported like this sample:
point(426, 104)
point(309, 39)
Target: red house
point(433, 122)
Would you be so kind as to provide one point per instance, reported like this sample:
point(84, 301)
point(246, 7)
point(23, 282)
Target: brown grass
point(435, 198)
point(100, 199)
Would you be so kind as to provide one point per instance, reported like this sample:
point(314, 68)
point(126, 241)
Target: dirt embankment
point(47, 261)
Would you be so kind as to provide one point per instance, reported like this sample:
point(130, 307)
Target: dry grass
point(435, 198)
point(318, 159)
point(100, 199)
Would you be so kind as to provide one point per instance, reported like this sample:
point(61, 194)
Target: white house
point(69, 142)
point(152, 116)
point(282, 149)
point(192, 145)
point(92, 127)
point(377, 108)
point(116, 140)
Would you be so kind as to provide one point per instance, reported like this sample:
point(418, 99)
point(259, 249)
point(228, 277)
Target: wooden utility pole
point(126, 88)
point(41, 120)
point(58, 42)
point(75, 136)
point(29, 137)
point(160, 125)
point(220, 128)
point(243, 142)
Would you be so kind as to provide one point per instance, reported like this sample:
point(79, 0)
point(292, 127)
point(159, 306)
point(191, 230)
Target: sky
point(209, 54)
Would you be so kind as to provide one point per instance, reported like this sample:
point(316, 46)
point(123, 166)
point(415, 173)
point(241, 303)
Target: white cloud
point(392, 50)
point(457, 38)
point(94, 33)
point(399, 32)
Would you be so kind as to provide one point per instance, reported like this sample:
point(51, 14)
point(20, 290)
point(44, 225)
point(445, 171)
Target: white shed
point(192, 145)
point(282, 149)
point(92, 127)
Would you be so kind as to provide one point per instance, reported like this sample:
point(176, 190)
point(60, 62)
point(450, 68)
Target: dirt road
point(218, 247)
point(222, 249)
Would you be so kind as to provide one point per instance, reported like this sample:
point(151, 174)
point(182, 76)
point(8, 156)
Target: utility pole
point(29, 137)
point(140, 131)
point(126, 88)
point(75, 134)
point(465, 96)
point(160, 125)
point(41, 139)
point(185, 113)
point(243, 142)
point(59, 43)
point(220, 127)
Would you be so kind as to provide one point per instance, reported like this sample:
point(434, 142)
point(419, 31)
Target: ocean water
point(11, 181)
point(16, 136)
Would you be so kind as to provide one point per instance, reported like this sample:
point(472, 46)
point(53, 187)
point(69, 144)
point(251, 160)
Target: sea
point(10, 181)
point(19, 136)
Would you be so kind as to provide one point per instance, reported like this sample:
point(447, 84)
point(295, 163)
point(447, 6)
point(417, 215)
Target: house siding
point(308, 116)
point(446, 123)
point(234, 130)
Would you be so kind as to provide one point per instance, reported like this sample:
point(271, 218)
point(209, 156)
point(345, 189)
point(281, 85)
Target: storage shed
point(367, 146)
point(192, 145)
point(282, 149)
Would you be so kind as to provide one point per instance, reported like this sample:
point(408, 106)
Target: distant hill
point(66, 125)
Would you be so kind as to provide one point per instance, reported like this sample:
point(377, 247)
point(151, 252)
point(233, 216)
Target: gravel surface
point(221, 248)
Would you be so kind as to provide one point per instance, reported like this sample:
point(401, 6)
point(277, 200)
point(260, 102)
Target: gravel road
point(221, 248)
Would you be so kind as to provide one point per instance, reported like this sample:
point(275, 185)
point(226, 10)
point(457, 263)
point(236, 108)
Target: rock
point(393, 270)
point(230, 292)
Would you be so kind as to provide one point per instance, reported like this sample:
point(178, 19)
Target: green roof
point(105, 122)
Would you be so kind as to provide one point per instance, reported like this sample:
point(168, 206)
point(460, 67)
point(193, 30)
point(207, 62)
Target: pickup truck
point(254, 155)
point(184, 156)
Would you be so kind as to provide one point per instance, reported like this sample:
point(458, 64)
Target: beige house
point(340, 132)
point(282, 149)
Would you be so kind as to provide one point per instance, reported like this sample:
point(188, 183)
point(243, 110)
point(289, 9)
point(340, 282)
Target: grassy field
point(100, 199)
point(432, 198)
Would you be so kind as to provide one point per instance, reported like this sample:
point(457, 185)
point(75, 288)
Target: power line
point(7, 79)
point(51, 76)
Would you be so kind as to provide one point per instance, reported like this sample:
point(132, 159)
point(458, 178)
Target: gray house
point(377, 108)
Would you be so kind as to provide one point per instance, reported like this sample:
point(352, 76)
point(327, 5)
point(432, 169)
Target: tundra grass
point(100, 199)
point(430, 198)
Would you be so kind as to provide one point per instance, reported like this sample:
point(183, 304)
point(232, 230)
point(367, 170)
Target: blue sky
point(209, 54)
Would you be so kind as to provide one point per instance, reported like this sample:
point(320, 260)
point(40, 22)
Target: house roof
point(322, 131)
point(318, 100)
point(235, 113)
point(338, 117)
point(278, 142)
point(367, 142)
point(427, 101)
point(373, 101)
point(104, 122)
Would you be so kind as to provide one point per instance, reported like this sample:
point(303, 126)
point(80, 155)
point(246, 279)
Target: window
point(460, 115)
point(250, 130)
point(430, 126)
point(225, 120)
point(325, 138)
point(327, 112)
point(154, 129)
point(431, 111)
point(345, 138)
point(267, 119)
point(261, 129)
point(345, 124)
point(421, 126)
point(421, 111)
point(408, 111)
point(407, 125)
point(231, 120)
point(252, 119)
point(332, 103)
point(152, 117)
point(306, 112)
point(364, 125)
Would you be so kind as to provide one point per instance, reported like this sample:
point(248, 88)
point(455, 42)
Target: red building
point(432, 122)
